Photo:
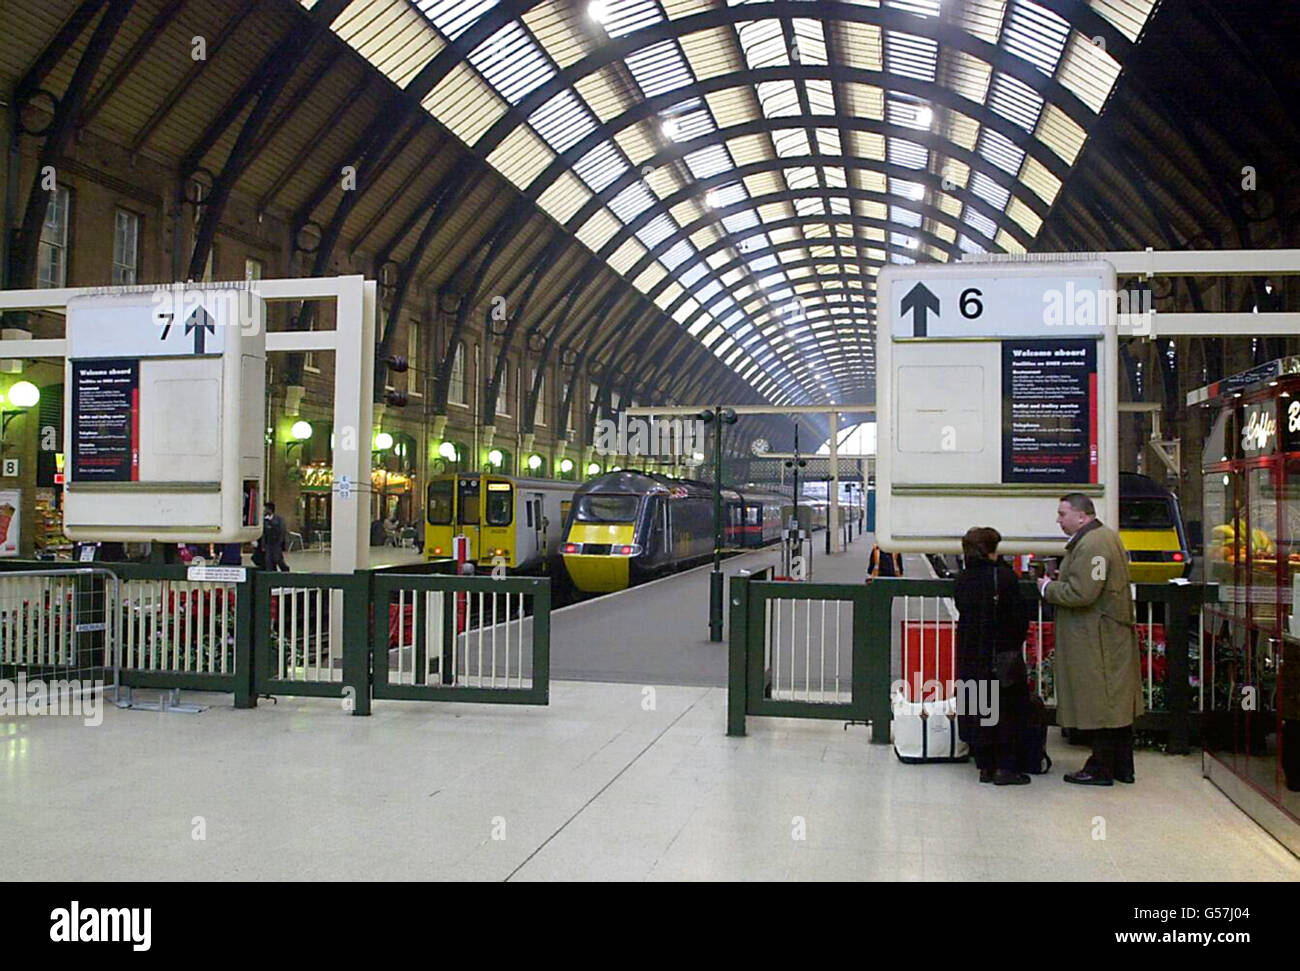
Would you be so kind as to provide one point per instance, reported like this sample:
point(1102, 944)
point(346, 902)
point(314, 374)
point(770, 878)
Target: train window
point(528, 509)
point(500, 504)
point(439, 504)
point(606, 508)
point(469, 496)
point(1146, 513)
point(751, 515)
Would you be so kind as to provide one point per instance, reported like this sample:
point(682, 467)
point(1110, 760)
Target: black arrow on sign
point(919, 301)
point(199, 321)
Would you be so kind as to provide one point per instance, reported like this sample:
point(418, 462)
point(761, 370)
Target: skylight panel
point(708, 162)
point(762, 263)
point(688, 278)
point(835, 177)
point(771, 280)
point(904, 217)
point(821, 100)
point(911, 56)
point(840, 206)
point(922, 8)
point(828, 141)
point(908, 154)
point(1036, 35)
point(454, 17)
point(677, 254)
point(981, 223)
point(988, 190)
point(600, 167)
point(908, 190)
point(810, 207)
point(727, 195)
point(810, 41)
point(705, 293)
point(969, 245)
point(790, 141)
point(763, 44)
point(741, 221)
point(625, 16)
point(563, 121)
point(659, 68)
point(1015, 101)
point(778, 99)
point(687, 120)
point(631, 202)
point(1001, 151)
point(909, 114)
point(983, 18)
point(512, 62)
point(1088, 71)
point(802, 177)
point(1128, 16)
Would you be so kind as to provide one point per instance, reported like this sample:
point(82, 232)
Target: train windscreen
point(500, 501)
point(439, 504)
point(606, 508)
point(1146, 513)
point(469, 500)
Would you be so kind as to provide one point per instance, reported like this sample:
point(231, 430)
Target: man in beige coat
point(1098, 677)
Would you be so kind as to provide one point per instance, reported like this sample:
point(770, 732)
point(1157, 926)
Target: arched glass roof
point(749, 166)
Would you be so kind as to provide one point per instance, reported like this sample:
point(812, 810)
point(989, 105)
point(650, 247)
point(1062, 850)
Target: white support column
point(834, 491)
point(354, 374)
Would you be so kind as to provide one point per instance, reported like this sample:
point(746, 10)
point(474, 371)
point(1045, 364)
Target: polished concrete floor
point(611, 782)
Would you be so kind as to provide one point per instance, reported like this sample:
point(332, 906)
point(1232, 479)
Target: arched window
point(456, 392)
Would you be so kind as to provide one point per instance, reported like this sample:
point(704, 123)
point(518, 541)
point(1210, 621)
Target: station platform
point(594, 787)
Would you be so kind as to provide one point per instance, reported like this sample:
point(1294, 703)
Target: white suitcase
point(927, 731)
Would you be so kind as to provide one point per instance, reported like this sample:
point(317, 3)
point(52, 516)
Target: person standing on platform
point(231, 554)
point(991, 626)
point(1098, 678)
point(274, 535)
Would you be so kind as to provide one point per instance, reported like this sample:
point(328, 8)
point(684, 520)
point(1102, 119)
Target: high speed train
point(624, 527)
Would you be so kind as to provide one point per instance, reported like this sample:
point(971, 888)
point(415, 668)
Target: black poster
point(1049, 411)
point(105, 420)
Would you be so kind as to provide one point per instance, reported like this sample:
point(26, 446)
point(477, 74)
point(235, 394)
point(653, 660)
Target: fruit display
point(1228, 543)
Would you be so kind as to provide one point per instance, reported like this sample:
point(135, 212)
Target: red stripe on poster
point(135, 434)
point(1092, 427)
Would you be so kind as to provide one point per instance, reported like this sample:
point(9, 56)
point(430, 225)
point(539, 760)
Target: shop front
point(1251, 479)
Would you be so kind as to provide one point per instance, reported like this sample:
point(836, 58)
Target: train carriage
point(512, 520)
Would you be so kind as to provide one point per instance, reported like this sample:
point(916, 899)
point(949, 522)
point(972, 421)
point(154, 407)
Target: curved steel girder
point(933, 142)
point(524, 234)
point(59, 45)
point(270, 79)
point(436, 199)
point(606, 300)
point(827, 10)
point(26, 248)
point(130, 60)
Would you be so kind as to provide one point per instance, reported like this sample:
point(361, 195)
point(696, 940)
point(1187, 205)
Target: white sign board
point(170, 321)
point(219, 574)
point(996, 394)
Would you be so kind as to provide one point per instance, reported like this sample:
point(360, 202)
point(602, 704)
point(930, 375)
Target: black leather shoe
point(1083, 778)
point(1003, 777)
point(986, 775)
point(1126, 779)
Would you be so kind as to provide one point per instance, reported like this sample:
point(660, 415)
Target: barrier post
point(357, 598)
point(738, 653)
point(245, 671)
point(872, 643)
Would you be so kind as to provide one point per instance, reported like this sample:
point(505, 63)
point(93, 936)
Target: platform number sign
point(920, 301)
point(345, 487)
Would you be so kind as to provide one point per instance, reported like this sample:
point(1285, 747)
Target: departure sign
point(1049, 411)
point(105, 420)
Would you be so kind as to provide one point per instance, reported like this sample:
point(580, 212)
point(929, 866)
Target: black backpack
point(1031, 743)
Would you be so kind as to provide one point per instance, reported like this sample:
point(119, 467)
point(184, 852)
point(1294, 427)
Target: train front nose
point(594, 558)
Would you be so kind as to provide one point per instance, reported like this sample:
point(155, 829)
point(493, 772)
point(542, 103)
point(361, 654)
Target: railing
point(462, 638)
point(785, 637)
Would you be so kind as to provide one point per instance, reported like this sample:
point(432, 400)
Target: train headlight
point(572, 547)
point(437, 551)
point(633, 550)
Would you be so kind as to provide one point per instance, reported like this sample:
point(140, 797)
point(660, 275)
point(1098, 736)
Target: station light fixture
point(383, 442)
point(598, 11)
point(24, 394)
point(495, 458)
point(448, 451)
point(593, 468)
point(566, 466)
point(301, 431)
point(534, 462)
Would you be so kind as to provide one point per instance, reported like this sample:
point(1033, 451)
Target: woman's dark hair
point(980, 541)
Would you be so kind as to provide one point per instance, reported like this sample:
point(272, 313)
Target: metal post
point(715, 578)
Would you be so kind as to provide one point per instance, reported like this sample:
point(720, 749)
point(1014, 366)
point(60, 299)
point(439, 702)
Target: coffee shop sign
point(1260, 428)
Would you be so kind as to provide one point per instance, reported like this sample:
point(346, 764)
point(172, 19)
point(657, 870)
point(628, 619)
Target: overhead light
point(534, 462)
point(383, 441)
point(924, 116)
point(301, 431)
point(566, 466)
point(448, 451)
point(495, 457)
point(598, 11)
point(711, 198)
point(24, 394)
point(670, 128)
point(593, 468)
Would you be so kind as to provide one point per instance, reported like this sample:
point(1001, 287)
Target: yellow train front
point(508, 520)
point(624, 527)
point(1151, 528)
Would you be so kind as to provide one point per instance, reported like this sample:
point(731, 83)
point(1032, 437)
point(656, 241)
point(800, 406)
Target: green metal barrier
point(461, 639)
point(751, 666)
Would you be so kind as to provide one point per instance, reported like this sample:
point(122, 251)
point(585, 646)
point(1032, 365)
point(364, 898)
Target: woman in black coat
point(993, 618)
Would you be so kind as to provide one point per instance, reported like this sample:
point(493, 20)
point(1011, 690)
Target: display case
point(1251, 495)
point(47, 526)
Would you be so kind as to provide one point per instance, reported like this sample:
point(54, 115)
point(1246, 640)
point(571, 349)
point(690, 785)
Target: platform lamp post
point(719, 417)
